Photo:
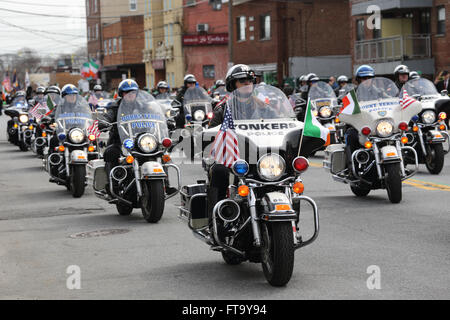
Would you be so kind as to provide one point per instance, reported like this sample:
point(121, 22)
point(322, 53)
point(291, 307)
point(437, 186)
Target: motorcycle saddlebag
point(335, 160)
point(195, 202)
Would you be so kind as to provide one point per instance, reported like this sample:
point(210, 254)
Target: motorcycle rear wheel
point(434, 161)
point(153, 200)
point(277, 252)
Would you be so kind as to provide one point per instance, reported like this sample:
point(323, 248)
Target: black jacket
point(111, 116)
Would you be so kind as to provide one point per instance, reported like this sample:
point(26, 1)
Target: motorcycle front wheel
point(434, 161)
point(277, 252)
point(393, 182)
point(153, 200)
point(77, 180)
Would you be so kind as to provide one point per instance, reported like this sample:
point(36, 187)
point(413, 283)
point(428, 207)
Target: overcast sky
point(66, 34)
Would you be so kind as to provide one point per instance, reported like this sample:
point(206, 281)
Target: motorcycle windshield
point(378, 101)
point(163, 96)
point(102, 95)
point(197, 98)
point(19, 103)
point(139, 112)
point(74, 112)
point(420, 86)
point(346, 89)
point(320, 90)
point(259, 102)
point(376, 89)
point(221, 91)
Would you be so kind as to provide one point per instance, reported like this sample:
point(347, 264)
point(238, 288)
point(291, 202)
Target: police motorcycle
point(325, 107)
point(22, 129)
point(259, 219)
point(46, 127)
point(170, 108)
point(428, 132)
point(141, 178)
point(100, 101)
point(340, 127)
point(382, 125)
point(299, 105)
point(66, 164)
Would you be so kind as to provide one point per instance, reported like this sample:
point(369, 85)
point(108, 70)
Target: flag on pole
point(93, 129)
point(49, 105)
point(406, 100)
point(85, 70)
point(35, 111)
point(93, 69)
point(7, 83)
point(225, 149)
point(350, 104)
point(115, 94)
point(313, 128)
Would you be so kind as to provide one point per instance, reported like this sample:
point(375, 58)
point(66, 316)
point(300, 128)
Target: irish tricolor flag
point(350, 104)
point(313, 128)
point(49, 106)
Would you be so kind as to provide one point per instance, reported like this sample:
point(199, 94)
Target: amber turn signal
point(166, 158)
point(404, 140)
point(44, 134)
point(91, 149)
point(415, 128)
point(61, 148)
point(368, 144)
point(243, 191)
point(298, 187)
point(442, 127)
point(129, 159)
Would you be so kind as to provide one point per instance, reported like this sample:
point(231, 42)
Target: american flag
point(35, 111)
point(93, 129)
point(406, 100)
point(225, 149)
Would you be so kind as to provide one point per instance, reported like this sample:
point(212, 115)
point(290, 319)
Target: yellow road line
point(420, 186)
point(431, 184)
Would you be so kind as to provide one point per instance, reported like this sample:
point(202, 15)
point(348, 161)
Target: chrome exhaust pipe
point(55, 159)
point(228, 210)
point(362, 156)
point(119, 173)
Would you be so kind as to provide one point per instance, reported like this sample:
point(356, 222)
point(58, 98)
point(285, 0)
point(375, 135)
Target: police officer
point(162, 90)
point(189, 82)
point(401, 75)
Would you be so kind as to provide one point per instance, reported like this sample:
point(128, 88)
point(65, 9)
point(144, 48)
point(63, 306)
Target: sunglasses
point(247, 80)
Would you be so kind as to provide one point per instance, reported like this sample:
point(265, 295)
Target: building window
point(216, 4)
point(209, 72)
point(166, 34)
point(441, 20)
point(115, 45)
point(109, 46)
point(95, 5)
point(105, 47)
point(120, 44)
point(96, 31)
point(88, 3)
point(264, 22)
point(148, 5)
point(190, 3)
point(133, 5)
point(425, 22)
point(240, 22)
point(359, 29)
point(171, 33)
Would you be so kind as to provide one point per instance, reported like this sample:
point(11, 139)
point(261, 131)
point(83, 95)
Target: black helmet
point(53, 89)
point(312, 77)
point(400, 69)
point(189, 78)
point(163, 85)
point(239, 71)
point(219, 83)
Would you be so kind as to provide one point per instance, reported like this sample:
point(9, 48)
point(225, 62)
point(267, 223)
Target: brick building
point(93, 29)
point(205, 41)
point(123, 43)
point(413, 32)
point(288, 39)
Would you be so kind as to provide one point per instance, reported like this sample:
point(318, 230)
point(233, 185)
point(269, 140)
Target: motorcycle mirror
point(444, 92)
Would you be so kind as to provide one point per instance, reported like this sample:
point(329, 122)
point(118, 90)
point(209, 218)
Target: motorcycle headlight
point(23, 118)
point(147, 143)
point(199, 115)
point(76, 135)
point(325, 112)
point(429, 117)
point(271, 166)
point(385, 128)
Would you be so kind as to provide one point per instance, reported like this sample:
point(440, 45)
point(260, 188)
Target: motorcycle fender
point(152, 170)
point(78, 156)
point(389, 153)
point(436, 136)
point(278, 207)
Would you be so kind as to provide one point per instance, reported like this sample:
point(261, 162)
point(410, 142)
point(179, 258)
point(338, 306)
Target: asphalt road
point(39, 223)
